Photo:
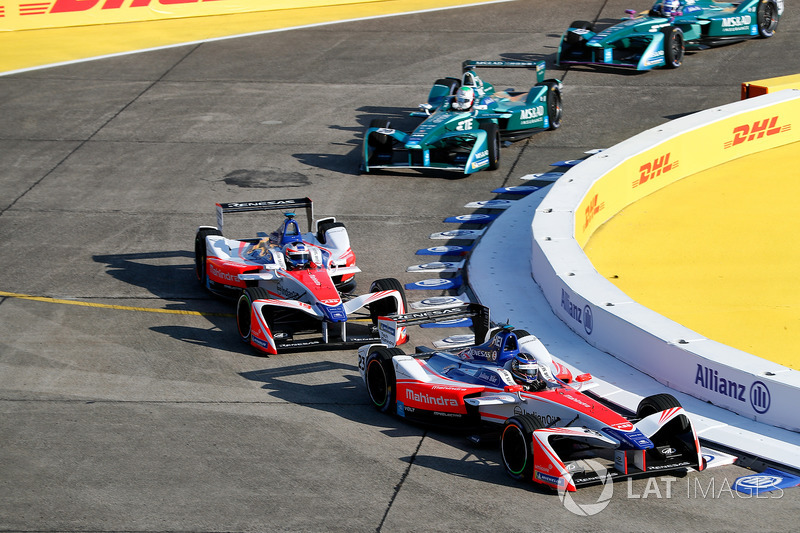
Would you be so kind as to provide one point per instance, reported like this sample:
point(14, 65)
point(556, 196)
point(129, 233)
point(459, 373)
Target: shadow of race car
point(659, 37)
point(292, 287)
point(549, 427)
point(465, 120)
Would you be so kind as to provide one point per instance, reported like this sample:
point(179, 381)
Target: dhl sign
point(653, 169)
point(756, 130)
point(33, 14)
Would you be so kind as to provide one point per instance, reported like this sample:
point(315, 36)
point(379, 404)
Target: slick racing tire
point(243, 310)
point(386, 306)
point(201, 254)
point(380, 378)
point(555, 109)
point(767, 18)
point(378, 140)
point(516, 446)
point(657, 403)
point(673, 46)
point(577, 37)
point(493, 144)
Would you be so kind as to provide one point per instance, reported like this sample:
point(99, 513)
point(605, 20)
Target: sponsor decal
point(757, 130)
point(484, 153)
point(464, 125)
point(581, 316)
point(736, 23)
point(653, 169)
point(758, 396)
point(530, 115)
point(429, 399)
point(592, 210)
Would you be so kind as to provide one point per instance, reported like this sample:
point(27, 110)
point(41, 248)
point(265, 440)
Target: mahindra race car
point(290, 285)
point(659, 37)
point(464, 121)
point(548, 427)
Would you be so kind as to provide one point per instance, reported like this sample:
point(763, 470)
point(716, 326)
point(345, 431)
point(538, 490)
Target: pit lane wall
point(595, 190)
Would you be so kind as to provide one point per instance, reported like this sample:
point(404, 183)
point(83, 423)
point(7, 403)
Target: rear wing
point(470, 64)
point(389, 326)
point(266, 205)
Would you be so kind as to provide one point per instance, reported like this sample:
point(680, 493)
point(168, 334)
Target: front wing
point(460, 151)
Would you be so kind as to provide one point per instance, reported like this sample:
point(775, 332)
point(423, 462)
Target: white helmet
point(668, 7)
point(464, 98)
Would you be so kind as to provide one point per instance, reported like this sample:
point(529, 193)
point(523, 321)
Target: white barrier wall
point(597, 189)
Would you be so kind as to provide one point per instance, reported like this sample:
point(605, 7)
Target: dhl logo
point(76, 6)
point(756, 130)
point(592, 209)
point(654, 169)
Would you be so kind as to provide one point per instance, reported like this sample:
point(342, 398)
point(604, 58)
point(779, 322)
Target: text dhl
point(73, 6)
point(654, 169)
point(756, 130)
point(594, 207)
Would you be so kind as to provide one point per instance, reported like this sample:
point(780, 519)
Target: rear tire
point(516, 446)
point(673, 46)
point(380, 378)
point(492, 143)
point(201, 254)
point(244, 310)
point(555, 109)
point(767, 18)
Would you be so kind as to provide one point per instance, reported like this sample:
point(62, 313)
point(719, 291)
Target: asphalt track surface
point(117, 419)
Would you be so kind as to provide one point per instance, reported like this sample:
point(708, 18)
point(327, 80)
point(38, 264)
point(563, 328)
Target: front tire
point(767, 18)
point(673, 46)
point(492, 143)
point(380, 378)
point(657, 403)
point(244, 311)
point(386, 306)
point(516, 446)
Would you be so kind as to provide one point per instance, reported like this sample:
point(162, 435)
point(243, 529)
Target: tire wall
point(592, 192)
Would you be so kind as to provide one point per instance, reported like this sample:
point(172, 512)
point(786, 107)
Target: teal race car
point(465, 120)
point(659, 37)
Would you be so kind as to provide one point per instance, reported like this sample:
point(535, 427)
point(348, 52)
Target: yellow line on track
point(108, 306)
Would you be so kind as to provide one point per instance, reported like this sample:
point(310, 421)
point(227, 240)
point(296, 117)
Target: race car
point(290, 285)
point(659, 37)
point(509, 384)
point(465, 120)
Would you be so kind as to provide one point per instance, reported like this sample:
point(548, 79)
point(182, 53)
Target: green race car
point(659, 37)
point(465, 120)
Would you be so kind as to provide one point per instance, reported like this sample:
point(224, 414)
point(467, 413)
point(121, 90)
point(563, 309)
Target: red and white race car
point(291, 287)
point(548, 427)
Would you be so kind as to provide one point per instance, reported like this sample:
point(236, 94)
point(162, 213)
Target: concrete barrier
point(597, 189)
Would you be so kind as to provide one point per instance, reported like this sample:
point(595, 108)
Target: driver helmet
point(525, 370)
point(464, 98)
point(297, 255)
point(668, 7)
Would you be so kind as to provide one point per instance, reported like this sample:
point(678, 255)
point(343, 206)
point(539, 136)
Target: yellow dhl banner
point(684, 155)
point(36, 14)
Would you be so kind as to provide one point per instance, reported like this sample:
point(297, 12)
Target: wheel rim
point(677, 49)
point(377, 384)
point(768, 19)
point(514, 450)
point(557, 110)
